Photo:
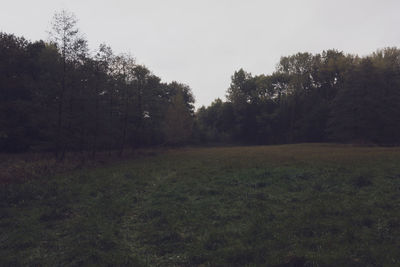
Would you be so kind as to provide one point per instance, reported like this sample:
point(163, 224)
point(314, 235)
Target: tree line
point(325, 97)
point(58, 96)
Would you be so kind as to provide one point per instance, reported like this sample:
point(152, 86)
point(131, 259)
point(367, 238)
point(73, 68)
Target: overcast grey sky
point(201, 43)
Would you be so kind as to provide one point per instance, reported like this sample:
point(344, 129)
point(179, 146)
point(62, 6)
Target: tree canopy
point(59, 96)
point(326, 97)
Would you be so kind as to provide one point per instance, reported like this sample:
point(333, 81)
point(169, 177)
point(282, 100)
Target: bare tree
point(72, 47)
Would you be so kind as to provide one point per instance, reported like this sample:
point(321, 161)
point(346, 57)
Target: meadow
point(286, 205)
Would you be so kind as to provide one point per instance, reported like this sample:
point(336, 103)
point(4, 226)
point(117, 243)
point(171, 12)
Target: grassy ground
point(291, 205)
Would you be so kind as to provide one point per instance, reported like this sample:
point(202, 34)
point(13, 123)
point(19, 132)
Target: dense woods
point(327, 97)
point(58, 96)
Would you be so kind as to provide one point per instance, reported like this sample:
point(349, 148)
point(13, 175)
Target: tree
point(123, 71)
point(367, 108)
point(101, 67)
point(242, 89)
point(65, 35)
point(178, 121)
point(215, 123)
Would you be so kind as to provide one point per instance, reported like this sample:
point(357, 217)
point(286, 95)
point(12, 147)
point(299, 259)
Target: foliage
point(178, 121)
point(57, 97)
point(312, 98)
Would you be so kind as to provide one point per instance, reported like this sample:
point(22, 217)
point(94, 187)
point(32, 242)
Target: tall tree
point(65, 35)
point(178, 120)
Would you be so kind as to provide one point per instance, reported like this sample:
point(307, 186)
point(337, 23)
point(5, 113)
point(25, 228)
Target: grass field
point(290, 205)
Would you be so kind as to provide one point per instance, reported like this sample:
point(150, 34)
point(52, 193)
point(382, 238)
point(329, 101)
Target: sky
point(202, 42)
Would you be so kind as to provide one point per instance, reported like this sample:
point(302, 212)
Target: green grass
point(306, 204)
